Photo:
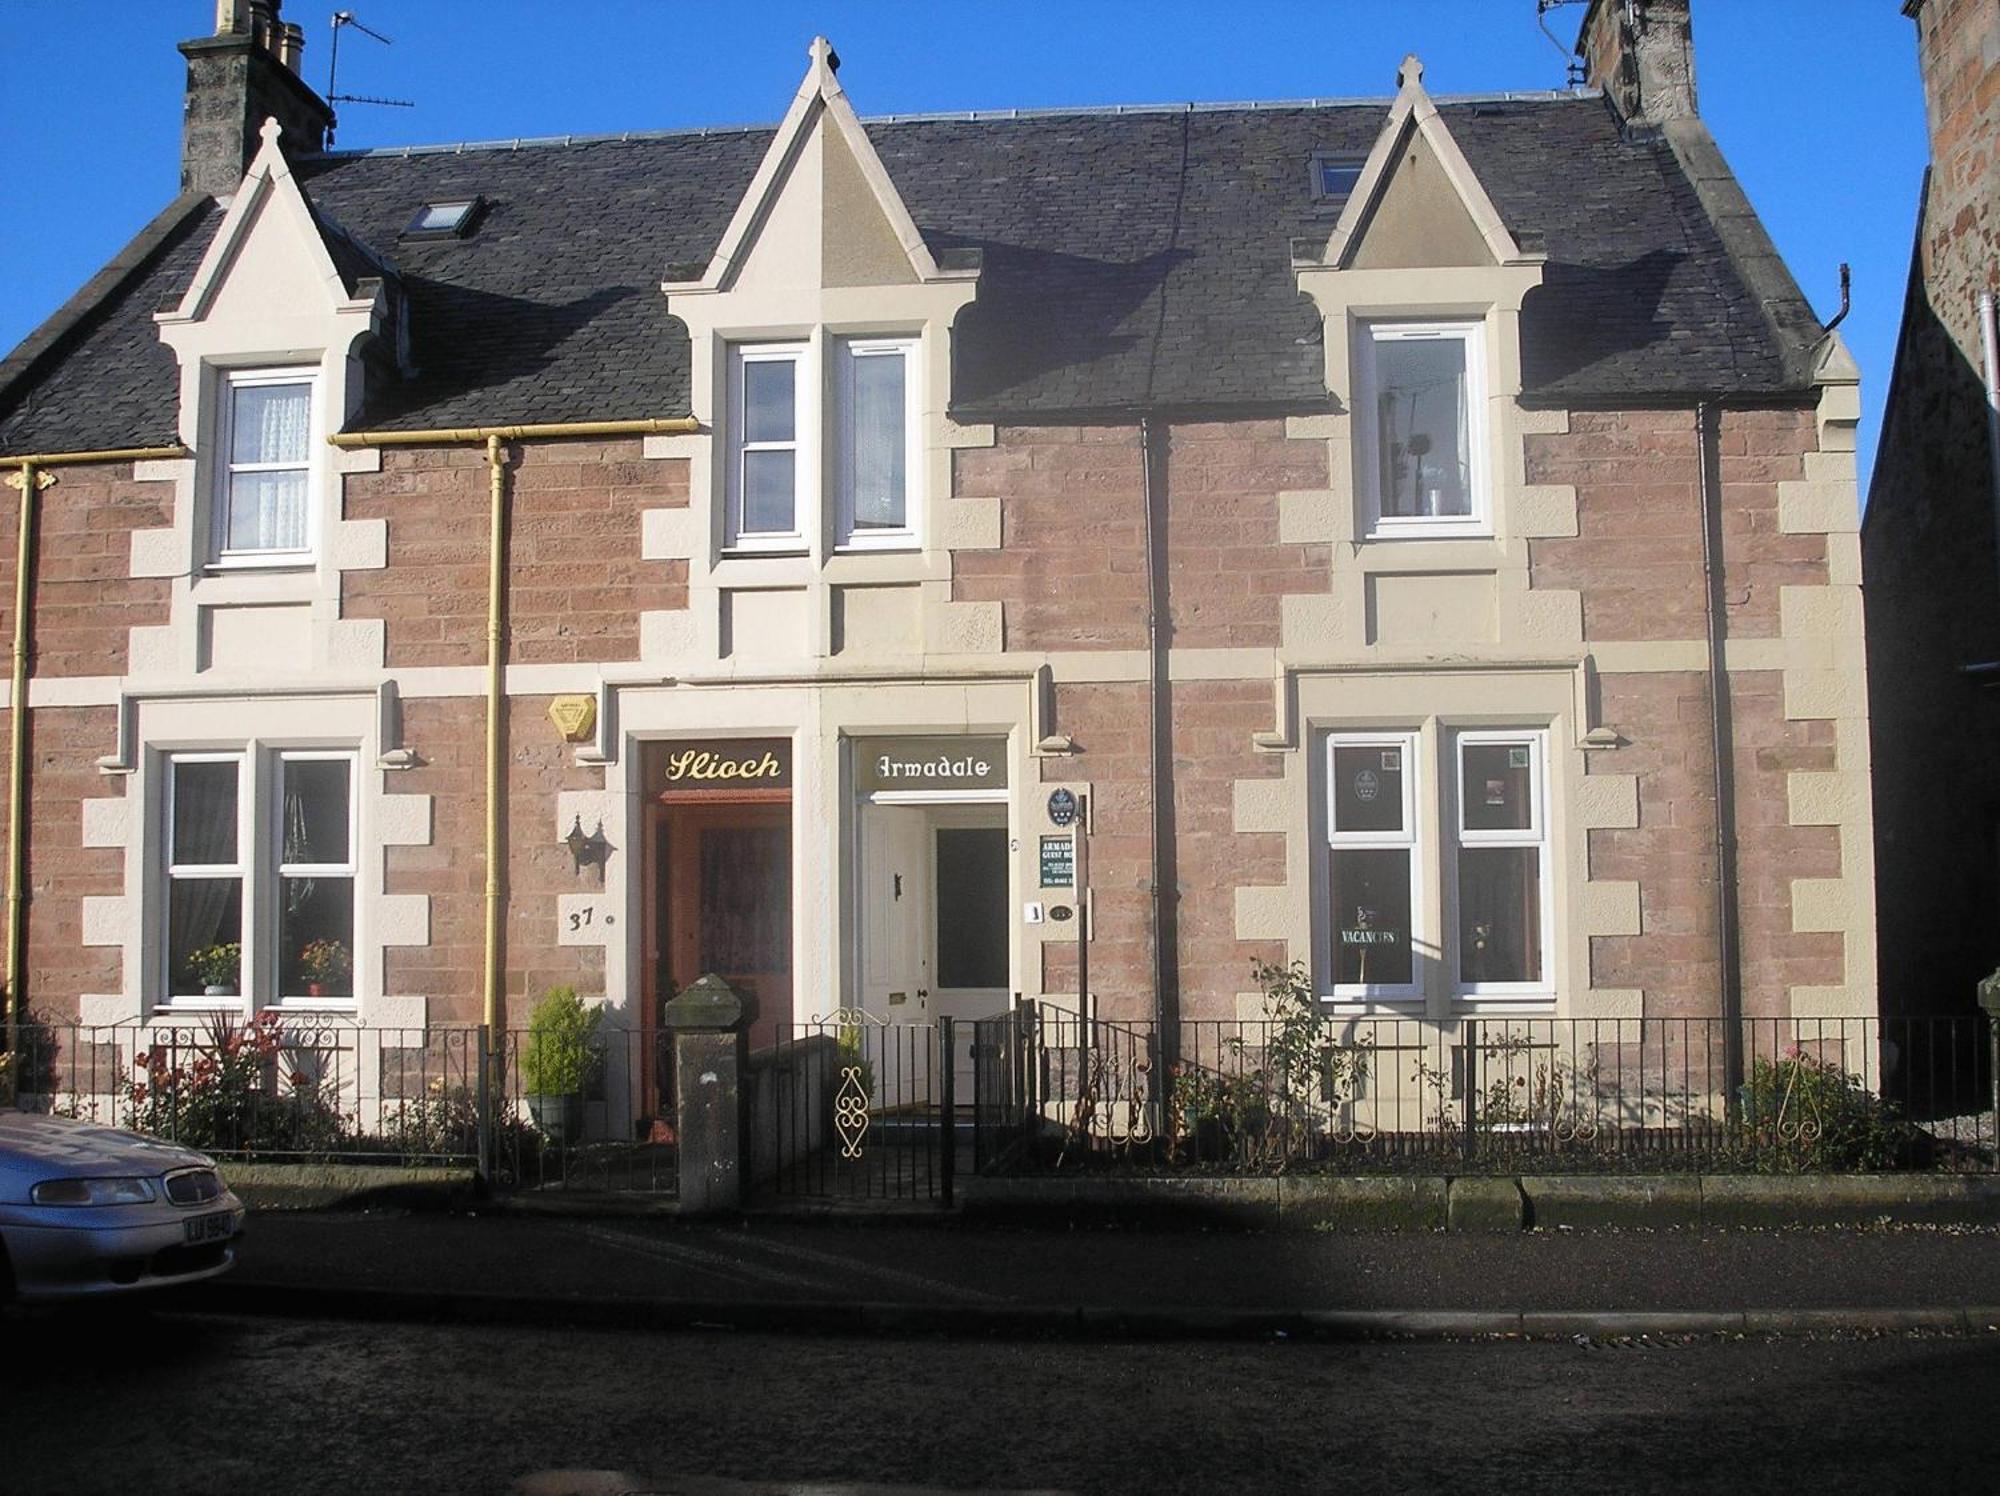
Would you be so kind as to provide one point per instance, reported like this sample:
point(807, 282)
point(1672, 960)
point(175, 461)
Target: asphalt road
point(777, 1261)
point(172, 1402)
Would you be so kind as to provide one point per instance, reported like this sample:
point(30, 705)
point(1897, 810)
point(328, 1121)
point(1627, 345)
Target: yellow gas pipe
point(496, 460)
point(31, 477)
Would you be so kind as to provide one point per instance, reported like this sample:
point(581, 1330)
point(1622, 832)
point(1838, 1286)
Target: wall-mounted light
point(587, 851)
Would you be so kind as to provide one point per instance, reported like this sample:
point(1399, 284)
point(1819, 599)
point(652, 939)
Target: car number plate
point(212, 1227)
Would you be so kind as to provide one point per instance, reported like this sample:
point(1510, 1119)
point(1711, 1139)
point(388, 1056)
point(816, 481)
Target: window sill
point(1475, 1004)
point(1428, 529)
point(760, 550)
point(278, 561)
point(889, 545)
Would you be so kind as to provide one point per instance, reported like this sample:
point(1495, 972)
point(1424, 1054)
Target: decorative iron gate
point(847, 1106)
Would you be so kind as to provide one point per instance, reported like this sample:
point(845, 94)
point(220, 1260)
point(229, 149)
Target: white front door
point(935, 935)
point(970, 931)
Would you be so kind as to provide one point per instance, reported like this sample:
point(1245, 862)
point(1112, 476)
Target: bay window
point(260, 854)
point(1396, 803)
point(263, 489)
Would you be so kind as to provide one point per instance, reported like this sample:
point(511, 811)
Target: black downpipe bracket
point(1160, 711)
point(1722, 744)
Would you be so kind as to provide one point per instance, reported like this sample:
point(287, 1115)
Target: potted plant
point(557, 1060)
point(217, 968)
point(324, 963)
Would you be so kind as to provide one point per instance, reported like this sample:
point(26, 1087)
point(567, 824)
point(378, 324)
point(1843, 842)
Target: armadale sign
point(891, 764)
point(719, 765)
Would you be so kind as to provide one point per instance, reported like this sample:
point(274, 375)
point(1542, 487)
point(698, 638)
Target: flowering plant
point(241, 1088)
point(325, 961)
point(217, 965)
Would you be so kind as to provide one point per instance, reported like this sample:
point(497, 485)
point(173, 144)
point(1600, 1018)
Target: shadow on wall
point(1041, 313)
point(1582, 315)
point(493, 350)
point(1933, 593)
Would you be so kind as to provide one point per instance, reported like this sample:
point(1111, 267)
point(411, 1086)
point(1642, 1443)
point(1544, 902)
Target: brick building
point(1929, 546)
point(1418, 535)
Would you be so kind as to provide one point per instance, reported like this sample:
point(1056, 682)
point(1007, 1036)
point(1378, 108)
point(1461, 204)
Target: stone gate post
point(707, 1024)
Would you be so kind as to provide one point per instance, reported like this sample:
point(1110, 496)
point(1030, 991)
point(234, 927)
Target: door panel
point(971, 932)
point(727, 899)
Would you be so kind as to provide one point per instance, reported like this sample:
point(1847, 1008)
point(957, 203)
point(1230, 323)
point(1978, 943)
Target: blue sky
point(1816, 103)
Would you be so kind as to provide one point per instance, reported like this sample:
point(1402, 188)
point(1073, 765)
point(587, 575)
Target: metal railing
point(1500, 1094)
point(277, 1086)
point(315, 1087)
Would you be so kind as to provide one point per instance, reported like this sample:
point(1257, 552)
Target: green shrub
point(560, 1057)
point(1803, 1113)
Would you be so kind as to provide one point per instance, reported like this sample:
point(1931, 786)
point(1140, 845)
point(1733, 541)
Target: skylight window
point(443, 220)
point(1334, 174)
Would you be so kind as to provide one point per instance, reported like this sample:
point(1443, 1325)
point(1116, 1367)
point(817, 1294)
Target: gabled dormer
point(269, 336)
point(1421, 284)
point(821, 345)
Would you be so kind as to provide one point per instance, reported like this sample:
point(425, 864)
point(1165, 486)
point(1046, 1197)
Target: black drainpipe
point(1165, 868)
point(1722, 742)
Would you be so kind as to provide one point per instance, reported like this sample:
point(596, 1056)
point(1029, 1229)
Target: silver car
point(87, 1209)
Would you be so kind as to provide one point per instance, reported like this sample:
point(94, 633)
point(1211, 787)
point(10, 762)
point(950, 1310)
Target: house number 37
point(583, 918)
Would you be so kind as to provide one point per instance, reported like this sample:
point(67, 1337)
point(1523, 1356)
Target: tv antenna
point(1574, 71)
point(342, 19)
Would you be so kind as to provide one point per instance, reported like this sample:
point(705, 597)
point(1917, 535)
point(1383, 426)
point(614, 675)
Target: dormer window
point(1420, 416)
point(263, 499)
point(878, 440)
point(867, 492)
point(765, 460)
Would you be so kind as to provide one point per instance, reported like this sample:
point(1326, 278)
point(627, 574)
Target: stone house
point(1929, 546)
point(1413, 538)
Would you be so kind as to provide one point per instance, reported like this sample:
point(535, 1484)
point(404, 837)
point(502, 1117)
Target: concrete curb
point(1046, 1321)
point(280, 1186)
point(1491, 1202)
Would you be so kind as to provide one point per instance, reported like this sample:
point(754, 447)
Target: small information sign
point(1058, 862)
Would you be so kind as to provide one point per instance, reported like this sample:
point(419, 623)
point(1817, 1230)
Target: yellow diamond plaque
point(575, 717)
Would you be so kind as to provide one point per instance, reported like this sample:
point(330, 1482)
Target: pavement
point(939, 1275)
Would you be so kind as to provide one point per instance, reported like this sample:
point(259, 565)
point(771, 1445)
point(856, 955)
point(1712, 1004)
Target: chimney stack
point(1641, 53)
point(246, 73)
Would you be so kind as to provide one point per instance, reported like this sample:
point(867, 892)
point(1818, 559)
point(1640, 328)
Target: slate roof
point(1129, 259)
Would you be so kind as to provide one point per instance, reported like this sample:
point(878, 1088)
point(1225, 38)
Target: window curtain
point(1461, 501)
point(298, 848)
point(879, 454)
point(267, 510)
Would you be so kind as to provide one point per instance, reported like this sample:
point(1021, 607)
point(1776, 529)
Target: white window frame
point(845, 351)
point(260, 870)
point(1535, 834)
point(804, 446)
point(1410, 838)
point(281, 870)
point(176, 871)
point(1471, 334)
point(220, 554)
